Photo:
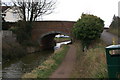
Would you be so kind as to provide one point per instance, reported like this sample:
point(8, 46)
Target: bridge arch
point(47, 41)
point(45, 31)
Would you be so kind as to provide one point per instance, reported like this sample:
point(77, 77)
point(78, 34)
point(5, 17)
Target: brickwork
point(42, 27)
point(45, 31)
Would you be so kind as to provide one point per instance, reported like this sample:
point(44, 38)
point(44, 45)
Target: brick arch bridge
point(45, 31)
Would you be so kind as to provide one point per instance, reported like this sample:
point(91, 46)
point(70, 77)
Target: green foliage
point(8, 25)
point(13, 29)
point(88, 28)
point(12, 51)
point(30, 43)
point(23, 31)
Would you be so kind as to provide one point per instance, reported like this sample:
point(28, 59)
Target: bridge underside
point(48, 42)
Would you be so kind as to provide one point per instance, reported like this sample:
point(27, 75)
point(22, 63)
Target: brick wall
point(42, 27)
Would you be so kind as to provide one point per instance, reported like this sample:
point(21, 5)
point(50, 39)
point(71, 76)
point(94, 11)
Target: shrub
point(22, 30)
point(88, 28)
point(30, 43)
point(13, 29)
point(12, 51)
point(7, 25)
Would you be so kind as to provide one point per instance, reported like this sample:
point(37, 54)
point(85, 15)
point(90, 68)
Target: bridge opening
point(50, 40)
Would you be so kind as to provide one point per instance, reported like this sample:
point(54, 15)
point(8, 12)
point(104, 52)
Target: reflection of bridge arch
point(45, 31)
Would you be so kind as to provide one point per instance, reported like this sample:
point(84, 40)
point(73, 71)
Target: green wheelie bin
point(113, 61)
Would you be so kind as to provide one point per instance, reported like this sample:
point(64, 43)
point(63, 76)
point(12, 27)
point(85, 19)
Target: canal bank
point(18, 68)
point(48, 66)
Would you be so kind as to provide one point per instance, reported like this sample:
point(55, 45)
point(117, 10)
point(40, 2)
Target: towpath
point(65, 69)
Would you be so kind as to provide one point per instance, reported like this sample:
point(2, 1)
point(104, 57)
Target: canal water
point(15, 69)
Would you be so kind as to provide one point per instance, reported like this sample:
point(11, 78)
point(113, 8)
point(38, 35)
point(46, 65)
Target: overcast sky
point(71, 10)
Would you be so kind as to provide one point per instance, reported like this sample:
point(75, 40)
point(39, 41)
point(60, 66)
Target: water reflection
point(59, 44)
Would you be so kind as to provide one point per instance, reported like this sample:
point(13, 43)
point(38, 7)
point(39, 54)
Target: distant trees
point(88, 28)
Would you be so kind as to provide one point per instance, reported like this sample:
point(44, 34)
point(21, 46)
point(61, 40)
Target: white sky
point(71, 10)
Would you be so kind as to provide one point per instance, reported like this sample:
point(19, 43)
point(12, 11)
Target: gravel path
point(65, 69)
point(108, 37)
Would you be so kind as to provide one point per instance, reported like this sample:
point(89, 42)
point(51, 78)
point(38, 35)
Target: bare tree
point(30, 10)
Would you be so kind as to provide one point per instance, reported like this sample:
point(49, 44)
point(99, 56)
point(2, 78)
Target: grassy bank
point(92, 63)
point(50, 65)
point(61, 39)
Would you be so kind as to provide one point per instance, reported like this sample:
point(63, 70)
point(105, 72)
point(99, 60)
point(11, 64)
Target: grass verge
point(92, 63)
point(62, 39)
point(49, 66)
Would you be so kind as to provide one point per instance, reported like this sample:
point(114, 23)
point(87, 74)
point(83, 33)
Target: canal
point(15, 69)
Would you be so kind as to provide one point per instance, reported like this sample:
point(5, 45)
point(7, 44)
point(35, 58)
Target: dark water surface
point(16, 69)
